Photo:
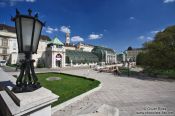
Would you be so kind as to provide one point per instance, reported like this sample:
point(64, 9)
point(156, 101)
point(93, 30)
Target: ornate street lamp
point(28, 31)
point(128, 61)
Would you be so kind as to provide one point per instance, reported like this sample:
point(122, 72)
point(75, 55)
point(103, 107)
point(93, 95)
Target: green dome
point(56, 41)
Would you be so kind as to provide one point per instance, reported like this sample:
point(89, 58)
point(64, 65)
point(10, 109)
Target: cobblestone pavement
point(132, 96)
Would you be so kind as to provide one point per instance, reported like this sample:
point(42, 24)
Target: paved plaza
point(132, 96)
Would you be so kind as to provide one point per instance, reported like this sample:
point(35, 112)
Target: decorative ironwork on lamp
point(28, 31)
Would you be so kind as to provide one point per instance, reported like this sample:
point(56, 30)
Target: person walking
point(116, 71)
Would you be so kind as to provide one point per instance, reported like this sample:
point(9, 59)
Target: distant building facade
point(131, 53)
point(8, 43)
point(54, 53)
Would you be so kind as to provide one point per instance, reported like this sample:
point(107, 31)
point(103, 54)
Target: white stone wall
point(11, 45)
point(1, 40)
point(13, 58)
point(51, 56)
point(70, 48)
point(111, 58)
point(41, 51)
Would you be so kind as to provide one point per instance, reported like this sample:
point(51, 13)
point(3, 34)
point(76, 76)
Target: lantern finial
point(44, 23)
point(36, 15)
point(17, 12)
point(12, 18)
point(30, 11)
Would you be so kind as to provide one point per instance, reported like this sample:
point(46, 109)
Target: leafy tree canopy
point(160, 53)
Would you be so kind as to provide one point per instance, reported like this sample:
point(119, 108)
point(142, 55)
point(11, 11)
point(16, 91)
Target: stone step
point(90, 108)
point(103, 110)
point(8, 106)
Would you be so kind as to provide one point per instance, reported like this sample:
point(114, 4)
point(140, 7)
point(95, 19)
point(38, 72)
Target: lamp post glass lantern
point(28, 31)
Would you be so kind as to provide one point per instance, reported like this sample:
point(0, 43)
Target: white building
point(9, 46)
point(54, 53)
point(8, 43)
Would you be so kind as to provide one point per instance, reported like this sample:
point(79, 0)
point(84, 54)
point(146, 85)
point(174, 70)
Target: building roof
point(103, 49)
point(45, 37)
point(56, 41)
point(13, 30)
point(81, 43)
point(8, 28)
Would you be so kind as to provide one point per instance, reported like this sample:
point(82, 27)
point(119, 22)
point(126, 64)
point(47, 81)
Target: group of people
point(116, 71)
point(112, 69)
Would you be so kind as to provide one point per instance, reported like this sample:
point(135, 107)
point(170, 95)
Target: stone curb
point(75, 99)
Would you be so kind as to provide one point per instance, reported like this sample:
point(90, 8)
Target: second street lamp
point(28, 31)
point(128, 63)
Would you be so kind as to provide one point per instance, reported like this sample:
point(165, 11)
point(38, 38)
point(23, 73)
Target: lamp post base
point(26, 88)
point(27, 80)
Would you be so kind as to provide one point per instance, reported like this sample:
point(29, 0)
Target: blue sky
point(112, 23)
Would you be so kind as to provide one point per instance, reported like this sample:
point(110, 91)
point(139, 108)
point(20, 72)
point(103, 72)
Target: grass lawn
point(68, 87)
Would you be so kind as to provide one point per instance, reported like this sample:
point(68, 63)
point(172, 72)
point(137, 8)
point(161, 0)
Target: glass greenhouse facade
point(98, 54)
point(76, 56)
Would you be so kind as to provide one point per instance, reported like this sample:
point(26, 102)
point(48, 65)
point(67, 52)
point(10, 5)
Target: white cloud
point(141, 37)
point(30, 0)
point(65, 29)
point(154, 32)
point(149, 38)
point(21, 0)
point(77, 39)
point(131, 18)
point(14, 2)
point(95, 36)
point(50, 29)
point(168, 1)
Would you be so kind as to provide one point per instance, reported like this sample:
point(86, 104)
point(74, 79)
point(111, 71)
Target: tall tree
point(160, 52)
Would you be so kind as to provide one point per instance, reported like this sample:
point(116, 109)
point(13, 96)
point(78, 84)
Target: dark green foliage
point(12, 65)
point(160, 53)
point(120, 57)
point(140, 59)
point(160, 72)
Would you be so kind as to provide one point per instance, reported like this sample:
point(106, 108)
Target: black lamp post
point(128, 61)
point(28, 31)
